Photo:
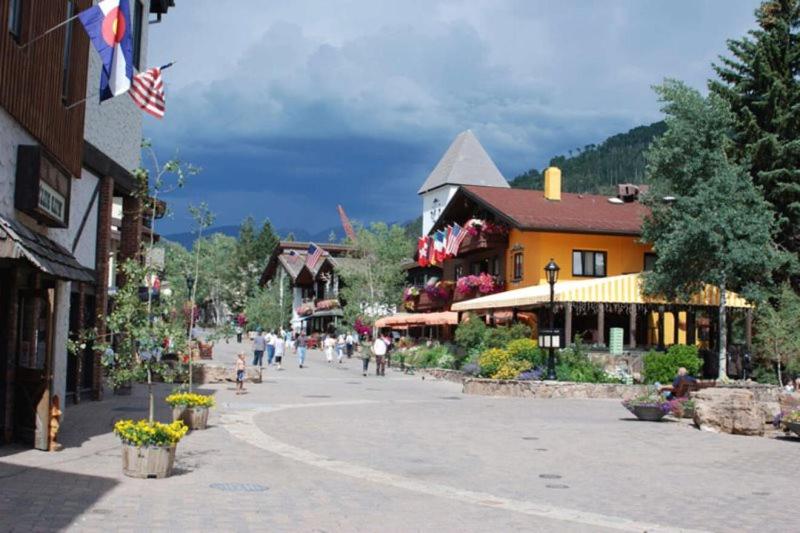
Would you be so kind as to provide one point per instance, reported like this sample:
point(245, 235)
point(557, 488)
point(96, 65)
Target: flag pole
point(54, 28)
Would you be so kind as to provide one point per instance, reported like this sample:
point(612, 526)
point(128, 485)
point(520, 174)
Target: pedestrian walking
point(240, 373)
point(329, 343)
point(280, 349)
point(270, 346)
point(340, 348)
point(365, 355)
point(379, 349)
point(259, 345)
point(302, 343)
point(239, 332)
point(348, 341)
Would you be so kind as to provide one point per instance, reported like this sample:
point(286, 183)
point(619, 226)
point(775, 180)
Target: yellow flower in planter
point(189, 399)
point(145, 433)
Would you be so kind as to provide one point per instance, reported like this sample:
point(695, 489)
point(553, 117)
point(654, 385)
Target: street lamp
point(190, 283)
point(551, 271)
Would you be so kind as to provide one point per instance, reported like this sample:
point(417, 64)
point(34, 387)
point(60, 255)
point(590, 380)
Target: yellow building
point(596, 241)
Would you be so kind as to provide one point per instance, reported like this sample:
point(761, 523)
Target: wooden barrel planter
point(147, 462)
point(193, 417)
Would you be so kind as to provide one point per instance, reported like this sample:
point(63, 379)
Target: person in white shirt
point(379, 349)
point(280, 349)
point(340, 348)
point(329, 344)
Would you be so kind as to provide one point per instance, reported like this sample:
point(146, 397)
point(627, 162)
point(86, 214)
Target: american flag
point(147, 92)
point(457, 234)
point(313, 256)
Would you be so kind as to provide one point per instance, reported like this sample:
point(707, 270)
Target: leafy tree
point(253, 249)
point(414, 228)
point(218, 277)
point(271, 306)
point(777, 337)
point(373, 284)
point(761, 83)
point(178, 266)
point(718, 230)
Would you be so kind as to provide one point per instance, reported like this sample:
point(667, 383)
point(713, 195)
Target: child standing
point(240, 366)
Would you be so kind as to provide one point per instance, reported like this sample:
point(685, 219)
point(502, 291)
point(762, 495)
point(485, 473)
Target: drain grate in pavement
point(129, 409)
point(239, 487)
point(549, 476)
point(530, 438)
point(316, 396)
point(556, 486)
point(449, 398)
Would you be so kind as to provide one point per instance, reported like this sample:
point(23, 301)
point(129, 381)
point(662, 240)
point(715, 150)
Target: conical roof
point(465, 163)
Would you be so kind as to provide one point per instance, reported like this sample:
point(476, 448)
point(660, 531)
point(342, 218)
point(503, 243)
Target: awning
point(625, 289)
point(443, 318)
point(17, 241)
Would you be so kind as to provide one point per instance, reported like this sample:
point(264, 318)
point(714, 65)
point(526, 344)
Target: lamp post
point(551, 271)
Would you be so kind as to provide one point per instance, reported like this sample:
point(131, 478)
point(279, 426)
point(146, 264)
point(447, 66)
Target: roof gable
point(465, 163)
point(575, 213)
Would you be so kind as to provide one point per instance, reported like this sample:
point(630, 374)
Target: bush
point(500, 337)
point(471, 369)
point(446, 360)
point(663, 367)
point(492, 359)
point(511, 370)
point(526, 350)
point(471, 335)
point(574, 365)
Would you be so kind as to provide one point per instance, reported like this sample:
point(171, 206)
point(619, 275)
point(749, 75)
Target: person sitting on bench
point(683, 378)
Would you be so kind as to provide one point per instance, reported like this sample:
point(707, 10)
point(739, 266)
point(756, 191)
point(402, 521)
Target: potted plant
point(148, 448)
point(682, 407)
point(789, 421)
point(650, 407)
point(191, 408)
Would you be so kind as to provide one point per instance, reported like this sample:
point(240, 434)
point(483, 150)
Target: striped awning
point(443, 318)
point(624, 289)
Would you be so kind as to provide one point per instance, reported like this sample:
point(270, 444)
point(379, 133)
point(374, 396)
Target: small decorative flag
point(457, 235)
point(108, 25)
point(438, 246)
point(422, 251)
point(313, 256)
point(147, 92)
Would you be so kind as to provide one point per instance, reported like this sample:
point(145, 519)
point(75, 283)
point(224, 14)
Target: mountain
point(598, 168)
point(186, 238)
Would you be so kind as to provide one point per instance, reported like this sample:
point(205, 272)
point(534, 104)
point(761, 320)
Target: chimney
point(552, 183)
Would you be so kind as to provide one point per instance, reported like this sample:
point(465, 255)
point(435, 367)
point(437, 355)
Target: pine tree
point(761, 83)
point(718, 229)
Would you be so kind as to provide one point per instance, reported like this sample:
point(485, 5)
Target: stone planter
point(650, 413)
point(193, 417)
point(794, 427)
point(147, 462)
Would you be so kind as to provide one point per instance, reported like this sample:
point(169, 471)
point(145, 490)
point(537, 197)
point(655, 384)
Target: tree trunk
point(150, 394)
point(723, 333)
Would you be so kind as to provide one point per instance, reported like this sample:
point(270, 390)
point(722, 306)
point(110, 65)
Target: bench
point(685, 387)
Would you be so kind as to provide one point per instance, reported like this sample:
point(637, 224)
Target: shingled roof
point(578, 213)
point(464, 163)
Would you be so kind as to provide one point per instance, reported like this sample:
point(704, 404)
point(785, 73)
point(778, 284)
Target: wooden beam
point(632, 326)
point(691, 326)
point(568, 323)
point(661, 327)
point(748, 329)
point(601, 323)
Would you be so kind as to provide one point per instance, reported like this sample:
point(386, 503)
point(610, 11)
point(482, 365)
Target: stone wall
point(203, 373)
point(545, 389)
point(456, 376)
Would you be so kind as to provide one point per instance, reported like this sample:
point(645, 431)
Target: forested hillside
point(597, 168)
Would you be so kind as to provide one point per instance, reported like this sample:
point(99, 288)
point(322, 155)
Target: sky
point(294, 107)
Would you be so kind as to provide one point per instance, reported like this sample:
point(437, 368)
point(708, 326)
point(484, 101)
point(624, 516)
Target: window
point(67, 54)
point(15, 19)
point(518, 270)
point(459, 271)
point(649, 261)
point(479, 267)
point(496, 266)
point(589, 264)
point(138, 14)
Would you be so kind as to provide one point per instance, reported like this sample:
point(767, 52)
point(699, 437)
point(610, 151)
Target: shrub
point(446, 360)
point(663, 367)
point(471, 369)
point(500, 337)
point(526, 350)
point(574, 365)
point(471, 334)
point(492, 359)
point(511, 370)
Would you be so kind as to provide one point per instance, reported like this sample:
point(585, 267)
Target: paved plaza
point(325, 449)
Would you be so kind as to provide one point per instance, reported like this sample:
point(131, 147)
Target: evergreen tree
point(718, 229)
point(761, 83)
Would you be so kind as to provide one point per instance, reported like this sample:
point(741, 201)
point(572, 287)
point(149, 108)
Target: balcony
point(481, 242)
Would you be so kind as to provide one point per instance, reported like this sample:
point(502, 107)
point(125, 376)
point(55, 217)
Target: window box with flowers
point(472, 286)
point(483, 234)
point(327, 305)
point(305, 309)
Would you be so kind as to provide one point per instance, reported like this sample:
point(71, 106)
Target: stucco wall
point(443, 195)
point(115, 126)
point(11, 136)
point(625, 254)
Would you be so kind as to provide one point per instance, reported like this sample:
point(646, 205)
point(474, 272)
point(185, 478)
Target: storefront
point(36, 275)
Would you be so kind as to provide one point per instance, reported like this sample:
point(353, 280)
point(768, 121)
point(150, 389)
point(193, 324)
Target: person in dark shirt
point(682, 377)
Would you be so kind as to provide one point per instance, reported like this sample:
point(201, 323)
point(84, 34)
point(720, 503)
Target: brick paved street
point(324, 449)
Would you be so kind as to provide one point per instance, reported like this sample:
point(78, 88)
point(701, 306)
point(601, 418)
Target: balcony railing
point(482, 241)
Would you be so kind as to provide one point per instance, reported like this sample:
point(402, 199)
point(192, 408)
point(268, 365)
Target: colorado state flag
point(109, 27)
